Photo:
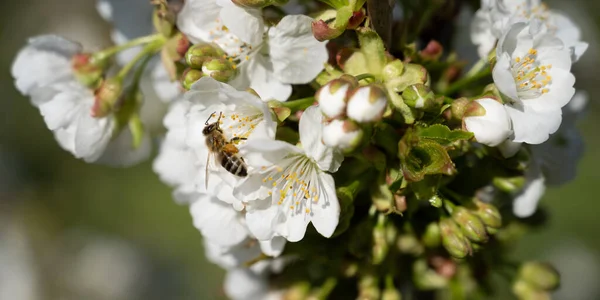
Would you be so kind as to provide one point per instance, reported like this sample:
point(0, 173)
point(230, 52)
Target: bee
point(225, 152)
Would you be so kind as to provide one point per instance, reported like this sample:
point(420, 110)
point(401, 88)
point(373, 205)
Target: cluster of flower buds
point(468, 227)
point(347, 107)
point(207, 60)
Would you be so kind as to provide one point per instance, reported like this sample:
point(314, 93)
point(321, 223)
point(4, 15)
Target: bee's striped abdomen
point(234, 164)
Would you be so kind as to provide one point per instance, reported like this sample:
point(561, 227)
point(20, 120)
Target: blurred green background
point(66, 214)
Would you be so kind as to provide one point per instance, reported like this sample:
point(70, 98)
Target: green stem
point(299, 104)
point(108, 52)
point(364, 76)
point(476, 68)
point(449, 206)
point(466, 81)
point(327, 288)
point(147, 51)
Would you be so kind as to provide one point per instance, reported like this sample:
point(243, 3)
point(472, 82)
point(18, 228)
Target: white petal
point(92, 135)
point(311, 123)
point(326, 213)
point(120, 151)
point(525, 203)
point(259, 218)
point(196, 19)
point(61, 110)
point(246, 24)
point(166, 89)
point(297, 56)
point(494, 127)
point(503, 77)
point(232, 257)
point(45, 60)
point(263, 80)
point(533, 127)
point(273, 247)
point(509, 148)
point(481, 33)
point(243, 284)
point(218, 222)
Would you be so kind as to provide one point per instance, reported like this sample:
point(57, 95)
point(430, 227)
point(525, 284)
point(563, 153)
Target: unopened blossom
point(367, 104)
point(490, 126)
point(293, 181)
point(268, 60)
point(342, 134)
point(495, 17)
point(533, 74)
point(333, 97)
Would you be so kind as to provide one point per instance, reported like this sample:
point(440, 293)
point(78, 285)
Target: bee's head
point(210, 128)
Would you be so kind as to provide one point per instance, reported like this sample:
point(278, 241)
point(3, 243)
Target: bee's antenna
point(210, 117)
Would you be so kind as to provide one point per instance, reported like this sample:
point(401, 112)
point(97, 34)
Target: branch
point(380, 14)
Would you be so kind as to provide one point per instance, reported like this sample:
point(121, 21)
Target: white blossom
point(293, 181)
point(495, 17)
point(493, 127)
point(269, 60)
point(533, 75)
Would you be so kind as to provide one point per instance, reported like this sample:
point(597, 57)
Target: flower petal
point(326, 213)
point(246, 23)
point(311, 123)
point(218, 222)
point(296, 55)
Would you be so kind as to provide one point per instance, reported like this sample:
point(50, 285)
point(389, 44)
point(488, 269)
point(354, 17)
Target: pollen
point(531, 78)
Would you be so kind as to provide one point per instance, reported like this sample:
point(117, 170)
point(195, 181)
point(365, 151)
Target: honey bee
point(225, 152)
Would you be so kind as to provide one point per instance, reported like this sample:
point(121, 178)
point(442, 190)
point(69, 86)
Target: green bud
point(393, 70)
point(408, 243)
point(200, 53)
point(106, 97)
point(432, 236)
point(525, 291)
point(458, 109)
point(259, 3)
point(189, 77)
point(489, 214)
point(368, 287)
point(420, 96)
point(221, 69)
point(391, 293)
point(509, 184)
point(436, 201)
point(540, 275)
point(472, 227)
point(426, 278)
point(380, 244)
point(453, 239)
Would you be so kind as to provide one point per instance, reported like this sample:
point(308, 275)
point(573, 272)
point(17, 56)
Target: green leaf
point(342, 17)
point(442, 134)
point(422, 156)
point(372, 47)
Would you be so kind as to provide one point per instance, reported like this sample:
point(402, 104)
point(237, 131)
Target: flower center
point(237, 51)
point(296, 183)
point(531, 78)
point(238, 125)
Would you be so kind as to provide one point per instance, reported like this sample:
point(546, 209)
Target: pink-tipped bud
point(86, 70)
point(333, 96)
point(488, 120)
point(342, 134)
point(106, 97)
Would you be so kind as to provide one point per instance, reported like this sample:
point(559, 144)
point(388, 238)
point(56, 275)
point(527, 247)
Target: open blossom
point(268, 60)
point(553, 162)
point(293, 181)
point(495, 17)
point(533, 75)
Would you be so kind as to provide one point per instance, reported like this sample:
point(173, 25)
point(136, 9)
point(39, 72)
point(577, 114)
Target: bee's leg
point(237, 139)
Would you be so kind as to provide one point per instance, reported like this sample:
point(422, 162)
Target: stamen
point(530, 77)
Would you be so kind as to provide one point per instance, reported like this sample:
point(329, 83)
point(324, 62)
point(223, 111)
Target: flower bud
point(106, 97)
point(432, 237)
point(220, 69)
point(323, 32)
point(453, 239)
point(380, 244)
point(509, 184)
point(189, 77)
point(86, 69)
point(489, 214)
point(368, 287)
point(420, 96)
point(432, 51)
point(471, 226)
point(333, 96)
point(540, 275)
point(525, 291)
point(457, 109)
point(488, 120)
point(393, 69)
point(258, 3)
point(367, 104)
point(342, 134)
point(436, 201)
point(200, 53)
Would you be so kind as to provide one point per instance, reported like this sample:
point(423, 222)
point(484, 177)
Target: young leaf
point(442, 134)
